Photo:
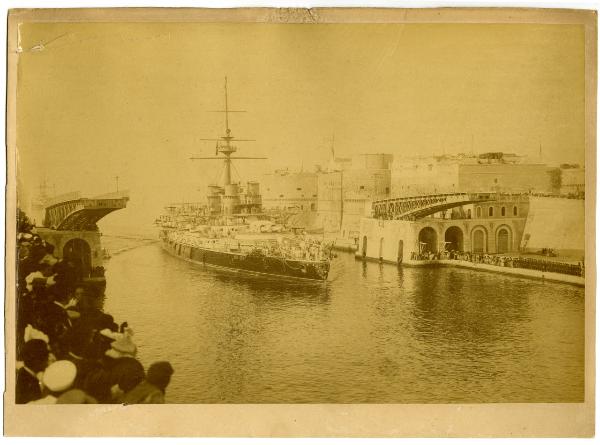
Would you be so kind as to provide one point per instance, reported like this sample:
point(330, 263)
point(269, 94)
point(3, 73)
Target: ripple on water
point(374, 333)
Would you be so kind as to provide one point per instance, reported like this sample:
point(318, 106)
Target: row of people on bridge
point(504, 261)
point(68, 349)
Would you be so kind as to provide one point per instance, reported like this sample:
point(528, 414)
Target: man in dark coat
point(35, 357)
point(56, 320)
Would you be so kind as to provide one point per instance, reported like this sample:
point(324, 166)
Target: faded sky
point(100, 100)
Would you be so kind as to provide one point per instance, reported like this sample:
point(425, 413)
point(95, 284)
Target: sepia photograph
point(297, 208)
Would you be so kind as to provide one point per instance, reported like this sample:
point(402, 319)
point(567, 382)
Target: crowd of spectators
point(68, 349)
point(505, 261)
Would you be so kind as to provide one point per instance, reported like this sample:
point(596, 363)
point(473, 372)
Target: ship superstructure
point(232, 233)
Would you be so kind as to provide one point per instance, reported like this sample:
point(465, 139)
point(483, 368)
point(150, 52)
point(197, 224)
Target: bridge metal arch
point(412, 208)
point(81, 214)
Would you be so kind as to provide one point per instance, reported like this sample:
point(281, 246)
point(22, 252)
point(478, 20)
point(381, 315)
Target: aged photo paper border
point(307, 420)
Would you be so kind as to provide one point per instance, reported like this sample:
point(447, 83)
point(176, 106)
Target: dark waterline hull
point(250, 264)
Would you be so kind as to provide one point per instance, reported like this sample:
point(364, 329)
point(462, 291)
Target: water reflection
point(464, 306)
point(270, 292)
point(374, 333)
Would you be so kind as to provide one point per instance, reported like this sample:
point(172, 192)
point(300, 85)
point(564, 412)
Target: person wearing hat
point(89, 307)
point(31, 305)
point(123, 346)
point(100, 342)
point(125, 374)
point(30, 263)
point(152, 389)
point(97, 383)
point(35, 279)
point(35, 356)
point(58, 378)
point(56, 322)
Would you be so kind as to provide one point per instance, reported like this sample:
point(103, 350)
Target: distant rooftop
point(469, 158)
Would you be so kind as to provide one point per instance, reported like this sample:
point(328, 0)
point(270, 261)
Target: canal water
point(373, 334)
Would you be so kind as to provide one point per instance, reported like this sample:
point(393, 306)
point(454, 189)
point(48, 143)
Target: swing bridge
point(82, 214)
point(417, 207)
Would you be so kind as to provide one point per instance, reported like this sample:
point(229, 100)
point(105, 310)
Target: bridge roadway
point(416, 207)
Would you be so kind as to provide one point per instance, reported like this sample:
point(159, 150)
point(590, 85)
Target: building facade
point(345, 196)
point(488, 172)
point(506, 225)
point(285, 190)
point(572, 181)
point(491, 227)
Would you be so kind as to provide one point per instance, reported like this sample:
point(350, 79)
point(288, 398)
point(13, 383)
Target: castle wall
point(423, 178)
point(513, 178)
point(354, 211)
point(555, 223)
point(572, 181)
point(285, 190)
point(430, 176)
point(360, 187)
point(368, 161)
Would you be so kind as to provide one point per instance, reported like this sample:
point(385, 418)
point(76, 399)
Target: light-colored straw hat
point(60, 375)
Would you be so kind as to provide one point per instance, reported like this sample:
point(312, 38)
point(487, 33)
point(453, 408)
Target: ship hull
point(249, 264)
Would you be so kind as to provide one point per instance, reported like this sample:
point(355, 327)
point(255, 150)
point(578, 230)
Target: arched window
point(503, 211)
point(515, 212)
point(503, 241)
point(469, 213)
point(491, 211)
point(478, 241)
point(478, 212)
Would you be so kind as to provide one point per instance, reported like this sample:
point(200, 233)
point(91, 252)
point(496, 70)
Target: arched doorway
point(400, 251)
point(79, 253)
point(427, 240)
point(479, 241)
point(364, 246)
point(381, 249)
point(454, 239)
point(503, 240)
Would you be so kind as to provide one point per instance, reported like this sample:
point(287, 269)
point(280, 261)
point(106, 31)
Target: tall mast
point(224, 143)
point(226, 110)
point(227, 149)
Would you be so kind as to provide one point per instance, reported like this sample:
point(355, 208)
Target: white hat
point(123, 346)
point(60, 375)
point(111, 334)
point(33, 334)
point(32, 276)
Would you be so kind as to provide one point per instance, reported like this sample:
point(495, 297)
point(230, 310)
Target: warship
point(231, 232)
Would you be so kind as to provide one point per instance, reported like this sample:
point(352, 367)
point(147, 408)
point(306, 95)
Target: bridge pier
point(68, 242)
point(392, 240)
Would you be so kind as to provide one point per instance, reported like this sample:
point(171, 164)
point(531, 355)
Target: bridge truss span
point(81, 214)
point(416, 207)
